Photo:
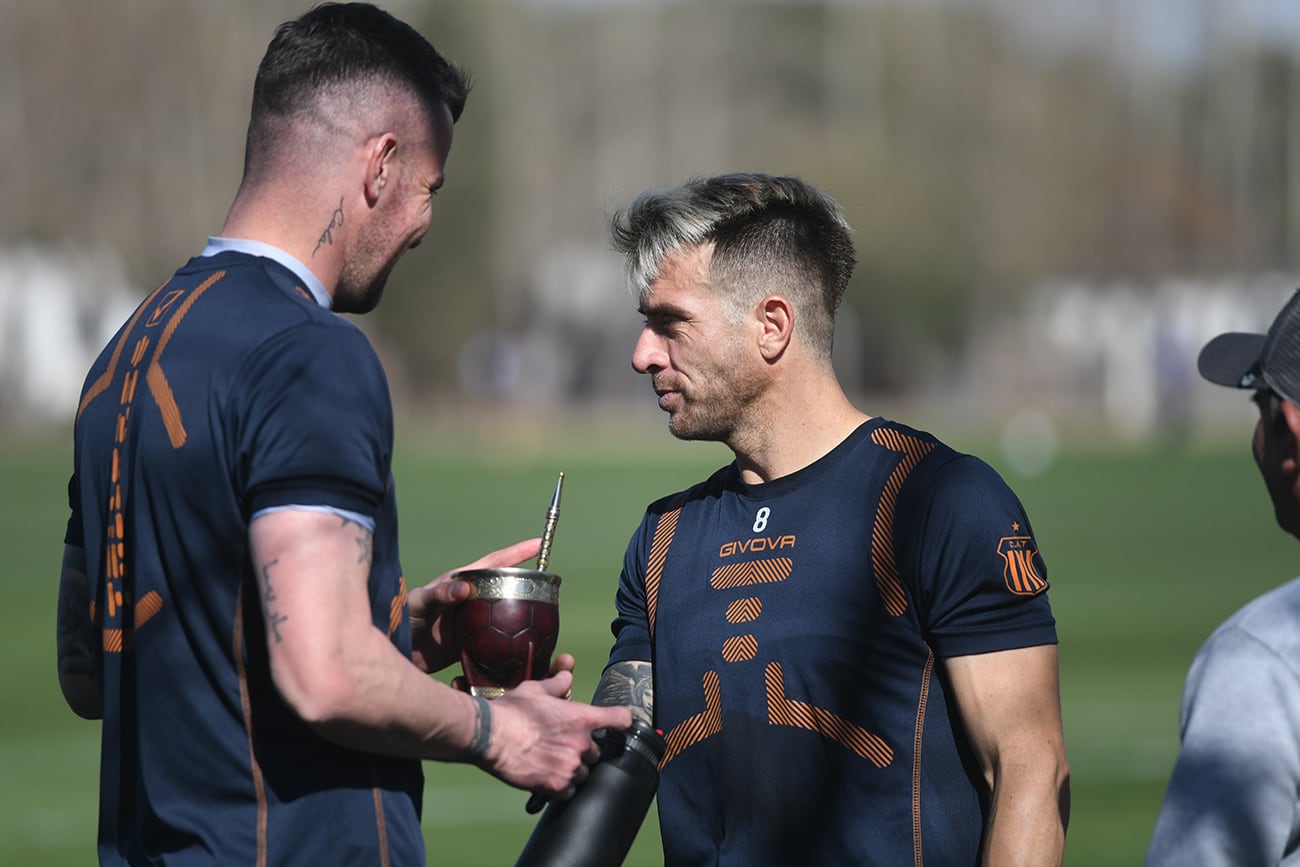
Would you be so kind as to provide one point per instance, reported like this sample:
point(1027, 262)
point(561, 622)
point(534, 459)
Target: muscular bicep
point(79, 644)
point(311, 573)
point(1010, 707)
point(628, 684)
point(1009, 700)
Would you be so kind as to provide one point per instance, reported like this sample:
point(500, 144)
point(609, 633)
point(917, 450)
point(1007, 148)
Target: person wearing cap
point(1234, 794)
point(844, 633)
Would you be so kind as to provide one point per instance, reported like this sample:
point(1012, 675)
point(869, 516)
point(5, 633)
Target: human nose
point(648, 355)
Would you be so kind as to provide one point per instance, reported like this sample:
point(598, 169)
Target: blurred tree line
point(973, 160)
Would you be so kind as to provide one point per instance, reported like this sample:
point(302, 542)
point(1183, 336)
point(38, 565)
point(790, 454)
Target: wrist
point(481, 730)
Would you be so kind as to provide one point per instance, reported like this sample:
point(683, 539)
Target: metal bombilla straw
point(548, 532)
point(537, 801)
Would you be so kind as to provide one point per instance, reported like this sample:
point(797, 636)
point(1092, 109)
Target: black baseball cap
point(1258, 361)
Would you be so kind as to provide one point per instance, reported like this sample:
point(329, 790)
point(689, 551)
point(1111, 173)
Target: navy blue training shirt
point(230, 391)
point(797, 631)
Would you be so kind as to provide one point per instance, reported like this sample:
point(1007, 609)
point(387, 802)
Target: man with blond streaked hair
point(844, 634)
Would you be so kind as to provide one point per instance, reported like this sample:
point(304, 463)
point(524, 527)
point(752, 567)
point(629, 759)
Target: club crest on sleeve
point(1019, 569)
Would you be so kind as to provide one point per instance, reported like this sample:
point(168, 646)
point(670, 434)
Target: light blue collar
point(257, 248)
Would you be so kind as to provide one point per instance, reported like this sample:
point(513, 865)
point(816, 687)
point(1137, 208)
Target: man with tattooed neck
point(232, 604)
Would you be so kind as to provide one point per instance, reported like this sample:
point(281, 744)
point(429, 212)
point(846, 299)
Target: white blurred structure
point(1115, 361)
point(1144, 341)
point(58, 307)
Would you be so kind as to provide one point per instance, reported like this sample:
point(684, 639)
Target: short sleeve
point(979, 576)
point(314, 421)
point(631, 626)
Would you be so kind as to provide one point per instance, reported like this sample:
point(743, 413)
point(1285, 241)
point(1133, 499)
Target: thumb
point(446, 591)
point(559, 684)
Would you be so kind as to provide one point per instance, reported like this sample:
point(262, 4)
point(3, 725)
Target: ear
point(776, 319)
point(380, 159)
point(1291, 456)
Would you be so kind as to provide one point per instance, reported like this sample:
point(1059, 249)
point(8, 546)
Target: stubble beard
point(360, 287)
point(349, 298)
point(708, 429)
point(717, 413)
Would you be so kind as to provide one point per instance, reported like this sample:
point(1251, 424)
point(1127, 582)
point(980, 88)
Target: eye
point(663, 324)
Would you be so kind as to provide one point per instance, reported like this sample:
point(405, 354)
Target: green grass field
point(1147, 551)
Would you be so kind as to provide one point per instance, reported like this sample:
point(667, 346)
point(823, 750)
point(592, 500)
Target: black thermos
point(597, 826)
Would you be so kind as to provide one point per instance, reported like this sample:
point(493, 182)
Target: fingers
point(538, 800)
point(446, 590)
point(617, 718)
point(562, 662)
point(512, 555)
point(548, 746)
point(441, 592)
point(559, 683)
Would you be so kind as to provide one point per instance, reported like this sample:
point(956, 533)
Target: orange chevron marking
point(381, 824)
point(158, 385)
point(128, 387)
point(754, 572)
point(119, 640)
point(797, 714)
point(141, 346)
point(171, 298)
point(744, 610)
point(654, 570)
point(106, 378)
point(149, 605)
point(166, 400)
point(740, 648)
point(700, 727)
point(397, 607)
point(917, 739)
point(882, 533)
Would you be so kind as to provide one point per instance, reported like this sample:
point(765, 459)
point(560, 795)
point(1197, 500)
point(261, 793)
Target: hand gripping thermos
point(597, 827)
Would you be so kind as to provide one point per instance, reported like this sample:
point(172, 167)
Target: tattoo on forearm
point(273, 617)
point(628, 684)
point(483, 728)
point(365, 541)
point(79, 646)
point(327, 236)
